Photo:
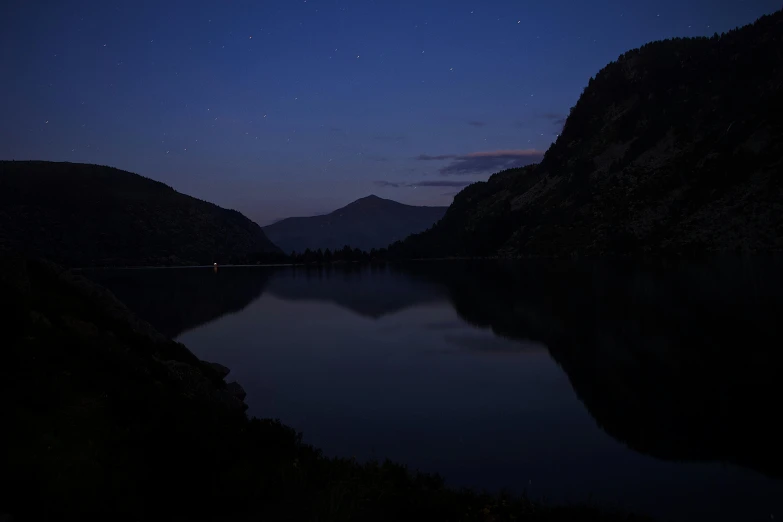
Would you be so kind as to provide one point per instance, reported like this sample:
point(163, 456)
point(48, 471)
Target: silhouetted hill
point(678, 360)
point(675, 147)
point(91, 215)
point(367, 223)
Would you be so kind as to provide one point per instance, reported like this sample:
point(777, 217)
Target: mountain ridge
point(671, 149)
point(90, 215)
point(366, 223)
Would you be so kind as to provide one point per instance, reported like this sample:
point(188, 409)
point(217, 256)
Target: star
point(47, 121)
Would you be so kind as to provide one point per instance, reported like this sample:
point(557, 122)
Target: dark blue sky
point(296, 107)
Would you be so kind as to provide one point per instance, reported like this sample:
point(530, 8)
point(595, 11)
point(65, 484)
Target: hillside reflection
point(371, 291)
point(177, 300)
point(680, 361)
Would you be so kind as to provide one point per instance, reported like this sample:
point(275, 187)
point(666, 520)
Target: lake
point(652, 387)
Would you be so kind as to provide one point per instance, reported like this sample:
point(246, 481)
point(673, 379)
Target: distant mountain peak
point(368, 201)
point(366, 223)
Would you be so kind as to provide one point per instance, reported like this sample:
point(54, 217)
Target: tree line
point(314, 257)
point(343, 255)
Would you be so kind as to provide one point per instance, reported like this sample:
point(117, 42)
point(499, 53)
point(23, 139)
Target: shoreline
point(111, 416)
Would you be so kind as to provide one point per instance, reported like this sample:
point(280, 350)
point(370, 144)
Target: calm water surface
point(653, 388)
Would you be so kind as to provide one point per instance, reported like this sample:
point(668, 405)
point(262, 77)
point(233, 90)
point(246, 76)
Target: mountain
point(367, 223)
point(90, 215)
point(676, 147)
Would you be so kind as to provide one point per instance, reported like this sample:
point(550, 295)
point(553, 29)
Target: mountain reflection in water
point(678, 361)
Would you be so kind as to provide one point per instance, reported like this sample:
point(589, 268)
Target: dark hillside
point(90, 215)
point(675, 147)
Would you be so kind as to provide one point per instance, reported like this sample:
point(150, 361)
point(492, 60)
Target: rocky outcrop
point(236, 390)
point(221, 370)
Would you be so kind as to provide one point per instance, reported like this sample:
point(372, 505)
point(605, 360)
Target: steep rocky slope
point(675, 147)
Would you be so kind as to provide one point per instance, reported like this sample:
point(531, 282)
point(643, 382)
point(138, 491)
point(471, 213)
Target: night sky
point(280, 108)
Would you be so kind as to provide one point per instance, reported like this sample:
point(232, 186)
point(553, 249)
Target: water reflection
point(177, 300)
point(371, 291)
point(680, 362)
point(446, 366)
